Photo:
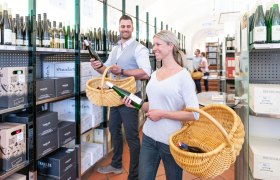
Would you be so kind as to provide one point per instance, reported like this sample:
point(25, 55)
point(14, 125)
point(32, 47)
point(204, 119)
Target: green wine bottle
point(275, 24)
point(135, 100)
point(259, 31)
point(92, 53)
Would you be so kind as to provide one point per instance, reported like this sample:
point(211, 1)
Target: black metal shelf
point(54, 99)
point(5, 174)
point(6, 110)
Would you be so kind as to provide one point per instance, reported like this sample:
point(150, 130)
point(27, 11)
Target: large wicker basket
point(101, 96)
point(219, 131)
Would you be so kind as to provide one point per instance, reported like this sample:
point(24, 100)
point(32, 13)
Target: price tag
point(58, 3)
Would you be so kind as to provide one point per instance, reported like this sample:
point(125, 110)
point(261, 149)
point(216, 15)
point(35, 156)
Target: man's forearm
point(137, 73)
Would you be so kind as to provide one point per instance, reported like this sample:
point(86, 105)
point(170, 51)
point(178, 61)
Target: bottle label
point(25, 42)
point(19, 42)
point(259, 34)
point(7, 36)
point(275, 33)
point(46, 42)
point(69, 44)
point(135, 98)
point(13, 39)
point(62, 41)
point(56, 40)
point(38, 42)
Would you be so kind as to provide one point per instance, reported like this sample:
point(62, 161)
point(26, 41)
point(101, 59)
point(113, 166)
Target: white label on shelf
point(135, 98)
point(275, 34)
point(20, 137)
point(259, 34)
point(7, 36)
point(46, 42)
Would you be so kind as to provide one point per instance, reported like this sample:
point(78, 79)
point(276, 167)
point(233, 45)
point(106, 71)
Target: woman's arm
point(155, 115)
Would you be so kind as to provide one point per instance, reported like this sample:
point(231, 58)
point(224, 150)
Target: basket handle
point(213, 120)
point(104, 75)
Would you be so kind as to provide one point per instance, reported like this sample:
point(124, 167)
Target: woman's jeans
point(206, 81)
point(150, 155)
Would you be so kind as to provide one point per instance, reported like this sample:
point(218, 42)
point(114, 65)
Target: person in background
point(169, 90)
point(129, 58)
point(204, 68)
point(196, 63)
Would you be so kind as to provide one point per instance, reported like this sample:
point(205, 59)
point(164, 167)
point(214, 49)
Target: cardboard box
point(57, 163)
point(70, 175)
point(66, 132)
point(46, 144)
point(87, 107)
point(65, 69)
point(264, 158)
point(16, 176)
point(64, 86)
point(60, 107)
point(85, 161)
point(264, 98)
point(95, 150)
point(46, 122)
point(83, 82)
point(87, 137)
point(98, 135)
point(86, 122)
point(13, 86)
point(24, 118)
point(45, 89)
point(13, 145)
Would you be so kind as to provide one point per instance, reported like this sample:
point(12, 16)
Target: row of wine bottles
point(265, 27)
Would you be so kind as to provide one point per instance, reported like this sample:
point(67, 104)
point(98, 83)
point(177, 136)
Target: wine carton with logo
point(13, 86)
point(12, 145)
point(46, 144)
point(66, 132)
point(264, 158)
point(44, 89)
point(57, 163)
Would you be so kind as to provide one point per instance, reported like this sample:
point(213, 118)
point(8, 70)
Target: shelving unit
point(33, 58)
point(258, 65)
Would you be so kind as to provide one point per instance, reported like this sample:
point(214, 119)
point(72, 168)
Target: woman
point(204, 68)
point(169, 90)
point(196, 62)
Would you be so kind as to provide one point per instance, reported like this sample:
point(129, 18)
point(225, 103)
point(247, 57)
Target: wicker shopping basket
point(101, 96)
point(219, 132)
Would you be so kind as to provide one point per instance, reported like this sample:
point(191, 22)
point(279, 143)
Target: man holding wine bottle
point(129, 58)
point(169, 90)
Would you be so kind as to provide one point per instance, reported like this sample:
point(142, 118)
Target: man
point(196, 62)
point(129, 58)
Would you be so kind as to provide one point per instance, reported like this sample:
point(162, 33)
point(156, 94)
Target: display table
point(215, 97)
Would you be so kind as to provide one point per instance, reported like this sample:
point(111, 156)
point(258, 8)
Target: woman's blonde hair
point(169, 37)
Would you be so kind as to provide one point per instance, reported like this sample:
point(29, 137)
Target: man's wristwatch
point(122, 71)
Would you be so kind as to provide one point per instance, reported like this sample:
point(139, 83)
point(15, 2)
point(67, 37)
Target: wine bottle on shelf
point(275, 24)
point(259, 31)
point(135, 100)
point(14, 31)
point(46, 34)
point(188, 148)
point(1, 16)
point(26, 32)
point(69, 43)
point(7, 31)
point(19, 33)
point(91, 51)
point(61, 36)
point(55, 36)
point(39, 32)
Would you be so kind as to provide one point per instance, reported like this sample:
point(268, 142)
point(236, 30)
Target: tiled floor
point(93, 175)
